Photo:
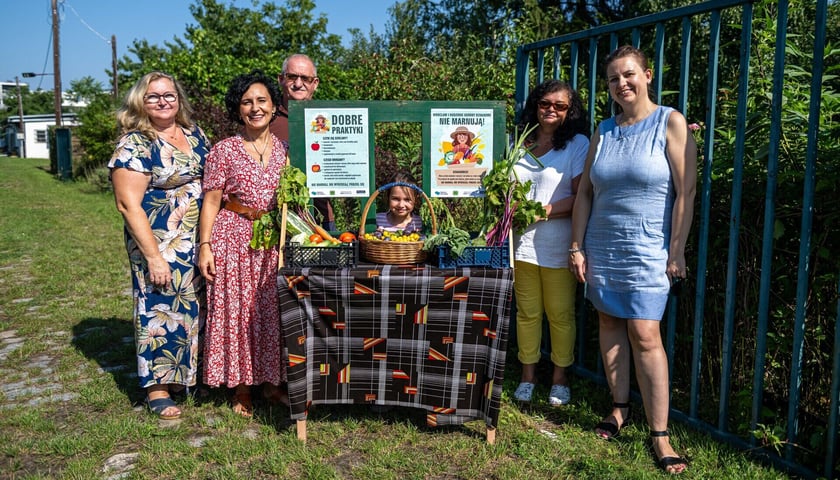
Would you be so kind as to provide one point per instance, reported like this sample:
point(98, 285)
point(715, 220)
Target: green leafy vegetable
point(264, 234)
point(292, 190)
point(506, 204)
point(448, 233)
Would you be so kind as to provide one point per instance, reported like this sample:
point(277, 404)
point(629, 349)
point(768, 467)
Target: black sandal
point(612, 428)
point(159, 405)
point(666, 462)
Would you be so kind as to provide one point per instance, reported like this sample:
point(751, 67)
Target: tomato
point(315, 238)
point(347, 237)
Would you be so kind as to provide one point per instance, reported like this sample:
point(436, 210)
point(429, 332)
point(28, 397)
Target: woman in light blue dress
point(629, 228)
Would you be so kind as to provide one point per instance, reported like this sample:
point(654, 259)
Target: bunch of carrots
point(292, 191)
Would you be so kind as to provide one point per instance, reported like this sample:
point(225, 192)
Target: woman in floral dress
point(243, 342)
point(156, 170)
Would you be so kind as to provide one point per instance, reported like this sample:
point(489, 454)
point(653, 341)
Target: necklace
point(171, 136)
point(260, 153)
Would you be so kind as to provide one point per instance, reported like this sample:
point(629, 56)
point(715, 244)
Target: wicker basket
point(394, 253)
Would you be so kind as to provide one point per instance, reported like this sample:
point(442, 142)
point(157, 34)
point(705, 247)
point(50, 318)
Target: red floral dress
point(243, 343)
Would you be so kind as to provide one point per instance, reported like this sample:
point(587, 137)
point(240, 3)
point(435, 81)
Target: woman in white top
point(543, 284)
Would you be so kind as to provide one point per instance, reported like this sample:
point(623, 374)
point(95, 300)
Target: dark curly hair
point(576, 122)
point(241, 84)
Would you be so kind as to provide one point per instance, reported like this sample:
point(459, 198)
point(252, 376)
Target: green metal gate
point(738, 367)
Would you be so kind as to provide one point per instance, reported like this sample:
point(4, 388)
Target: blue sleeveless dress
point(629, 229)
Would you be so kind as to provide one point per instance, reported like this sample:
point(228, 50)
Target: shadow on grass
point(393, 415)
point(110, 343)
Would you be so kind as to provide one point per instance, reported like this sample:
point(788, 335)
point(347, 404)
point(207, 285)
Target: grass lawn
point(69, 401)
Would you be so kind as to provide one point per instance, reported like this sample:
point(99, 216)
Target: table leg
point(301, 430)
point(491, 435)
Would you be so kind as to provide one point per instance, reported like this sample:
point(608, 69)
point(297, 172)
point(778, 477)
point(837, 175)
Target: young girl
point(401, 202)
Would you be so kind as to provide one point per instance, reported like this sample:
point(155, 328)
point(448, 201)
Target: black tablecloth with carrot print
point(411, 336)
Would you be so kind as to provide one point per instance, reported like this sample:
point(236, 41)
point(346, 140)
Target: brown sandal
point(242, 404)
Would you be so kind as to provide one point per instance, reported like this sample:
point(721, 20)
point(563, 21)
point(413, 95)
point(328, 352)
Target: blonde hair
point(132, 115)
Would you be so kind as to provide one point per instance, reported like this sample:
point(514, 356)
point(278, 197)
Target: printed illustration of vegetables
point(293, 191)
point(506, 204)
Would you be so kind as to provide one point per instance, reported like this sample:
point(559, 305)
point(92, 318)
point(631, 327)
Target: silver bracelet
point(573, 251)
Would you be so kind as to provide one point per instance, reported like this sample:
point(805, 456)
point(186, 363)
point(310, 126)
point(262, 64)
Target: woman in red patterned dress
point(243, 344)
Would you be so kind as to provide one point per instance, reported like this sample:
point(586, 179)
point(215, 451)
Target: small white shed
point(35, 132)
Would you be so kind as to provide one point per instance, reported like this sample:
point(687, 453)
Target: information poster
point(462, 151)
point(337, 152)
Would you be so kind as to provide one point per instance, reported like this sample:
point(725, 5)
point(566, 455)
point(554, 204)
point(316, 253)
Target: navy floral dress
point(167, 321)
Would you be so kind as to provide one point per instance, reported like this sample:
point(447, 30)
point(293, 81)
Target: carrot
point(324, 234)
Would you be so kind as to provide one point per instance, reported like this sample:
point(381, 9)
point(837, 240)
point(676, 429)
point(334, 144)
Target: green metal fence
point(719, 340)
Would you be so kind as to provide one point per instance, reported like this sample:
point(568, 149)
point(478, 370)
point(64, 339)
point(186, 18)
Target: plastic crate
point(344, 255)
point(491, 257)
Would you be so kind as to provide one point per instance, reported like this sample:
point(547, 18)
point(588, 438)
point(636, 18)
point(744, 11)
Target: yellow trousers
point(549, 291)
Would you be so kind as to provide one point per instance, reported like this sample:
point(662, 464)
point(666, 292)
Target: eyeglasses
point(293, 77)
point(545, 105)
point(153, 98)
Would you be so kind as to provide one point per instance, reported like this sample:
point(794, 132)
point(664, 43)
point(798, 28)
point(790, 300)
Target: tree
point(97, 134)
point(37, 102)
point(85, 89)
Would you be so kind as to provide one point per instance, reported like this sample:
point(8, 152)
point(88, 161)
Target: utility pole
point(56, 64)
point(114, 66)
point(21, 152)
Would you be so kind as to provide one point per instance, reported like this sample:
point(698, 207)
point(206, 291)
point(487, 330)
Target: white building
point(35, 132)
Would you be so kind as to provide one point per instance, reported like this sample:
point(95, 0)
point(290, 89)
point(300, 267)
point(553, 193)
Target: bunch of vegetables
point(506, 204)
point(264, 232)
point(407, 235)
point(448, 233)
point(293, 192)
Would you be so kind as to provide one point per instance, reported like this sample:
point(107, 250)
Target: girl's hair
point(404, 178)
point(629, 51)
point(132, 115)
point(576, 121)
point(241, 84)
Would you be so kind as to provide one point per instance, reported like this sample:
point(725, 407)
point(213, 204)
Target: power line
point(65, 2)
point(46, 59)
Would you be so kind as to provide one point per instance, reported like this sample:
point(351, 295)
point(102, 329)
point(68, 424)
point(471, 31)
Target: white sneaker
point(559, 395)
point(524, 392)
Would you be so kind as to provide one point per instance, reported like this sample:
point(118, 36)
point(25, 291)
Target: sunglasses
point(545, 105)
point(293, 77)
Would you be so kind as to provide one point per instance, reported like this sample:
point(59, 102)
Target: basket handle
point(388, 186)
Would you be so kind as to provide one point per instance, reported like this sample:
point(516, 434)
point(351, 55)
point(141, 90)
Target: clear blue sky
point(87, 26)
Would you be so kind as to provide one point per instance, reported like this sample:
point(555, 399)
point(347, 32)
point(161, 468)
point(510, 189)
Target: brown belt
point(247, 212)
